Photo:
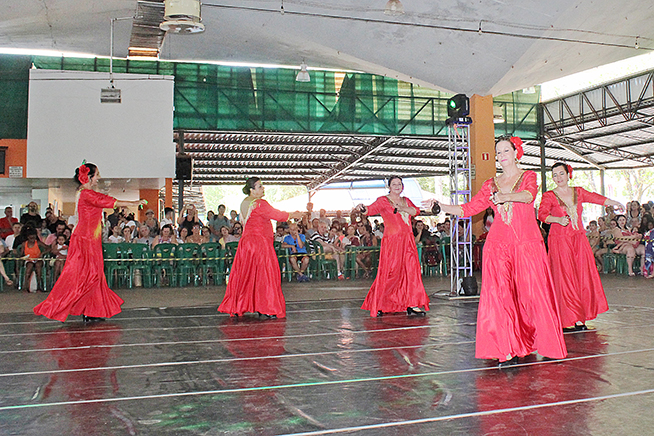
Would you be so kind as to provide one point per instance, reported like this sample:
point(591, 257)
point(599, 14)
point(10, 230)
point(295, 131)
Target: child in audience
point(648, 266)
point(60, 251)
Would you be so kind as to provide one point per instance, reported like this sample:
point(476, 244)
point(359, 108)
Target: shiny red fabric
point(576, 280)
point(82, 287)
point(255, 280)
point(518, 310)
point(398, 284)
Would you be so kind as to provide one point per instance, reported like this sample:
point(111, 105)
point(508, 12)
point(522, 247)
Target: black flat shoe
point(581, 327)
point(510, 362)
point(88, 319)
point(380, 313)
point(265, 315)
point(414, 311)
point(569, 329)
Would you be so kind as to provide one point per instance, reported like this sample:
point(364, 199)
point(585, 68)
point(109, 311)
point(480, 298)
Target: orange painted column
point(168, 200)
point(15, 155)
point(152, 195)
point(482, 148)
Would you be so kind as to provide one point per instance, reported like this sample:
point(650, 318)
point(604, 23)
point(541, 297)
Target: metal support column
point(180, 182)
point(460, 187)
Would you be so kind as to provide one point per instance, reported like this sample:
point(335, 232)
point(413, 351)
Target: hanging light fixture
point(182, 16)
point(303, 74)
point(394, 7)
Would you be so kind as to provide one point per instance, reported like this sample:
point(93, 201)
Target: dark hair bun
point(249, 185)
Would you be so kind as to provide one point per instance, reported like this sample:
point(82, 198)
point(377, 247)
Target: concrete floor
point(169, 364)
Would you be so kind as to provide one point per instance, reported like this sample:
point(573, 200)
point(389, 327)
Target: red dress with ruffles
point(518, 310)
point(398, 284)
point(82, 287)
point(255, 282)
point(576, 280)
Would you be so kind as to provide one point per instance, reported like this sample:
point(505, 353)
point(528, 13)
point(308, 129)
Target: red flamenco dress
point(255, 281)
point(518, 310)
point(576, 280)
point(398, 284)
point(82, 287)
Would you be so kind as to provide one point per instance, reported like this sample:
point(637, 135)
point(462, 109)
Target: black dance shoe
point(511, 362)
point(266, 316)
point(380, 313)
point(581, 327)
point(88, 319)
point(415, 311)
point(569, 329)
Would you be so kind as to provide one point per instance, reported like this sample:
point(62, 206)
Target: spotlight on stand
point(458, 109)
point(182, 16)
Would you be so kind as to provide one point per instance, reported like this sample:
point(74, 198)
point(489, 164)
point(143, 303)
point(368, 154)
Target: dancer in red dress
point(518, 310)
point(254, 280)
point(82, 287)
point(398, 286)
point(576, 281)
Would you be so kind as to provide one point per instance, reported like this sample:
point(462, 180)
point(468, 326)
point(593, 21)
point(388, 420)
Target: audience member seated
point(32, 250)
point(127, 234)
point(351, 237)
point(329, 244)
point(53, 221)
point(208, 235)
point(295, 242)
point(32, 216)
point(234, 218)
point(10, 241)
point(7, 222)
point(43, 232)
point(237, 231)
point(340, 219)
point(312, 227)
point(60, 251)
point(220, 219)
point(323, 218)
point(114, 218)
point(367, 239)
point(183, 235)
point(648, 264)
point(634, 215)
point(196, 235)
point(169, 218)
point(166, 236)
point(4, 252)
point(116, 235)
point(226, 237)
point(144, 236)
point(430, 253)
point(628, 243)
point(59, 230)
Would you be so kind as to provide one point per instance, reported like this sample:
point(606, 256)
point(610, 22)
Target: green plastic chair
point(327, 267)
point(163, 264)
point(212, 263)
point(445, 264)
point(114, 256)
point(230, 252)
point(141, 262)
point(188, 263)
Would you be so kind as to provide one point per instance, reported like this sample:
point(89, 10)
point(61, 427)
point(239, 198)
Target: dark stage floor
point(327, 368)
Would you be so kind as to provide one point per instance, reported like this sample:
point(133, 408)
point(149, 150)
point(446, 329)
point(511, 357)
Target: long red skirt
point(576, 280)
point(82, 287)
point(398, 284)
point(518, 310)
point(255, 283)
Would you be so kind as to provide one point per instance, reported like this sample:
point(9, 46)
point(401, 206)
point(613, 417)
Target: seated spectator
point(208, 235)
point(10, 241)
point(52, 221)
point(367, 239)
point(312, 227)
point(379, 233)
point(114, 217)
point(295, 242)
point(430, 253)
point(634, 215)
point(116, 235)
point(220, 219)
point(196, 235)
point(323, 218)
point(340, 219)
point(151, 222)
point(280, 232)
point(60, 250)
point(183, 235)
point(166, 236)
point(328, 242)
point(593, 235)
point(68, 231)
point(59, 230)
point(188, 217)
point(32, 216)
point(628, 243)
point(351, 237)
point(126, 233)
point(234, 218)
point(144, 236)
point(7, 222)
point(3, 253)
point(130, 222)
point(169, 218)
point(237, 231)
point(32, 250)
point(648, 265)
point(226, 237)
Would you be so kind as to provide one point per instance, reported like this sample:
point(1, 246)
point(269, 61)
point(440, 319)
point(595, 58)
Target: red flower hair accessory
point(517, 144)
point(569, 171)
point(83, 176)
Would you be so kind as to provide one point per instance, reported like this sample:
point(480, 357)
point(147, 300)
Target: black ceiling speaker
point(183, 167)
point(458, 106)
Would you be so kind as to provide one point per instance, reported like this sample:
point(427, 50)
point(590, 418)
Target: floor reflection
point(543, 383)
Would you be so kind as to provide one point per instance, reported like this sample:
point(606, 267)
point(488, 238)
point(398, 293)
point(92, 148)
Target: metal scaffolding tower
point(460, 192)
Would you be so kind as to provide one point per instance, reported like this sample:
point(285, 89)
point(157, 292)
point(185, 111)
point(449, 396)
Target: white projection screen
point(67, 124)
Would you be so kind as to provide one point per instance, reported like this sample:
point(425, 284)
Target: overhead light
point(394, 7)
point(110, 95)
point(182, 16)
point(498, 115)
point(303, 74)
point(143, 52)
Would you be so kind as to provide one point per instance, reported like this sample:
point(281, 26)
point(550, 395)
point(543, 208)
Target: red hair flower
point(83, 176)
point(569, 171)
point(517, 144)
